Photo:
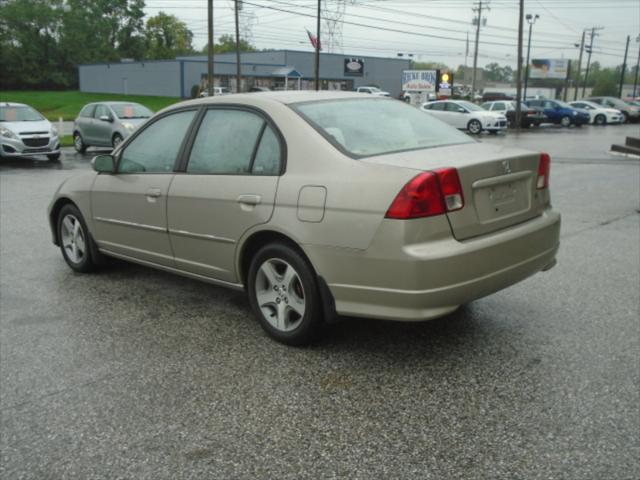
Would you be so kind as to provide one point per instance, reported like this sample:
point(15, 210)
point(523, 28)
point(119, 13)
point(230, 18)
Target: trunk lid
point(499, 184)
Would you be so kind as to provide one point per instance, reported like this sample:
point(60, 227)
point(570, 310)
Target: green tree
point(605, 86)
point(227, 44)
point(167, 36)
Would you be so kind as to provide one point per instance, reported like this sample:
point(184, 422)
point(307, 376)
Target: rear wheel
point(565, 121)
point(600, 120)
point(78, 143)
point(76, 243)
point(284, 294)
point(474, 127)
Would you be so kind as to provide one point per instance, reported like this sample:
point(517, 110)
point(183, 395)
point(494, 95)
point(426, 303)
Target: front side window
point(375, 126)
point(101, 111)
point(500, 106)
point(225, 142)
point(454, 107)
point(154, 149)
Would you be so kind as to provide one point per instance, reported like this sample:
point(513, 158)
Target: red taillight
point(544, 169)
point(451, 188)
point(428, 194)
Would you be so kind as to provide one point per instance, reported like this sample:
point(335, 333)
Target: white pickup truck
point(373, 91)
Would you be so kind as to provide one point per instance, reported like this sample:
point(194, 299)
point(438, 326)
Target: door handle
point(154, 192)
point(252, 200)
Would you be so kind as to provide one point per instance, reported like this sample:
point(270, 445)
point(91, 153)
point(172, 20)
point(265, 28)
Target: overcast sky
point(432, 30)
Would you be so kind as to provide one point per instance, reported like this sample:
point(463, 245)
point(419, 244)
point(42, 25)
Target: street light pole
point(238, 71)
point(317, 69)
point(475, 54)
point(519, 81)
point(210, 48)
point(531, 19)
point(635, 81)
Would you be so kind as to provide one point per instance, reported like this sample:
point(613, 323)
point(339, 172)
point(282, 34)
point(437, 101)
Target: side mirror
point(104, 163)
point(461, 110)
point(106, 118)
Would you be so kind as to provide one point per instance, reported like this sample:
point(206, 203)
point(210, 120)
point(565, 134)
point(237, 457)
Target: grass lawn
point(66, 141)
point(67, 104)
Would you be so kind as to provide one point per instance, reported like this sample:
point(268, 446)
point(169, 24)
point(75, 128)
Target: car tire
point(565, 121)
point(284, 294)
point(116, 140)
point(78, 143)
point(474, 127)
point(625, 117)
point(76, 243)
point(600, 120)
point(54, 157)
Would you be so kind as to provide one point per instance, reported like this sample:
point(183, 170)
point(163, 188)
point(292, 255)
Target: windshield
point(373, 89)
point(130, 110)
point(471, 106)
point(19, 114)
point(365, 127)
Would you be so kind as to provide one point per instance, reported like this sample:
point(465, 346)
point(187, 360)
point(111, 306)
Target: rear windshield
point(372, 126)
point(19, 114)
point(131, 110)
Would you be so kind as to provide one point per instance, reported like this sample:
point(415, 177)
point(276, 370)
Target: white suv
point(24, 132)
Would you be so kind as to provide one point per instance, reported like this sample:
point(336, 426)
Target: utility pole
point(475, 54)
point(519, 80)
point(566, 81)
point(238, 6)
point(635, 81)
point(592, 37)
point(624, 66)
point(210, 48)
point(531, 19)
point(317, 69)
point(575, 87)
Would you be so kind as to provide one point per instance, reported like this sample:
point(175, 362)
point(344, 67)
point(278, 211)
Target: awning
point(286, 72)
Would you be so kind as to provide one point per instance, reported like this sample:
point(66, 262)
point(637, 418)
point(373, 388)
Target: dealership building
point(277, 70)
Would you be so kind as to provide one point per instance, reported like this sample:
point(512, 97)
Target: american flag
point(314, 40)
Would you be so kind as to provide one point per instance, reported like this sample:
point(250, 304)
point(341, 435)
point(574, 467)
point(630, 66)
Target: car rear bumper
point(429, 280)
point(10, 147)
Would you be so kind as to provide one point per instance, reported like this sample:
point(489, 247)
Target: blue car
point(561, 113)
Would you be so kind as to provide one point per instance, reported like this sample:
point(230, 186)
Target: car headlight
point(6, 133)
point(575, 113)
point(129, 126)
point(54, 131)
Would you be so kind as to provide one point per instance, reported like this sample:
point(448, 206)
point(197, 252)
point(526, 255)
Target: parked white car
point(216, 91)
point(466, 116)
point(24, 132)
point(599, 115)
point(373, 91)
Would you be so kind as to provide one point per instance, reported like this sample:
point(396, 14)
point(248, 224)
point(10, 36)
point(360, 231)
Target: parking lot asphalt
point(135, 373)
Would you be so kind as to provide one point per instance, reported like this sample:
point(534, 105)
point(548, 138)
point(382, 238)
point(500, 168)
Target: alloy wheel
point(78, 143)
point(73, 239)
point(565, 121)
point(280, 294)
point(475, 127)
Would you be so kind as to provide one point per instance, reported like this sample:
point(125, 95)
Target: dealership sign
point(548, 68)
point(353, 67)
point(419, 80)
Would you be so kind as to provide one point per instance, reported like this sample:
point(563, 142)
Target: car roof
point(13, 104)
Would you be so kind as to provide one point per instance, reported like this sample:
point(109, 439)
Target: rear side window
point(499, 106)
point(268, 155)
point(87, 111)
point(226, 142)
point(375, 126)
point(452, 107)
point(436, 106)
point(155, 148)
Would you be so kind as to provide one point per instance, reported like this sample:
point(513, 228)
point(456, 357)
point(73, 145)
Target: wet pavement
point(135, 373)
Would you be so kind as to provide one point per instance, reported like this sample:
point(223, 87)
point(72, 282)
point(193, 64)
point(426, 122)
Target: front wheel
point(75, 241)
point(625, 117)
point(78, 143)
point(474, 127)
point(600, 120)
point(283, 294)
point(565, 121)
point(117, 140)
